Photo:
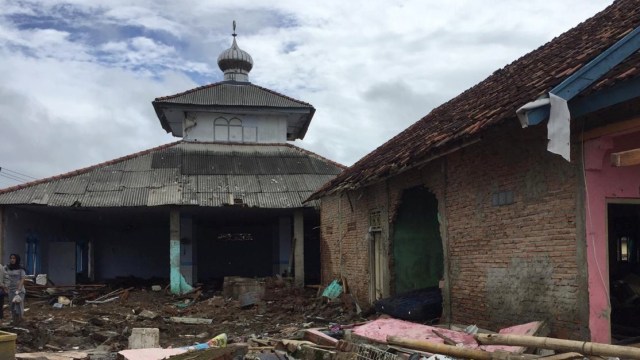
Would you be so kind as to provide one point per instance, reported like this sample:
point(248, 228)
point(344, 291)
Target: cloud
point(78, 76)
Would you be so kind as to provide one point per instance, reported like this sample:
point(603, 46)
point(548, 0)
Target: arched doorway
point(417, 245)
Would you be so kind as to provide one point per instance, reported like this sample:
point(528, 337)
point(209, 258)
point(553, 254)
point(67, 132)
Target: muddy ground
point(283, 311)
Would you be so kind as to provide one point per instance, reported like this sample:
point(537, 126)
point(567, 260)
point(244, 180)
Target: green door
point(417, 246)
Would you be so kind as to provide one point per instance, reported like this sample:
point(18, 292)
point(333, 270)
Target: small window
point(221, 129)
point(375, 220)
point(502, 198)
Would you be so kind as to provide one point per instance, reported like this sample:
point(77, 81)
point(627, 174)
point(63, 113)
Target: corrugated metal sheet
point(212, 198)
point(164, 177)
point(65, 199)
point(166, 195)
point(42, 192)
point(298, 165)
point(102, 199)
point(73, 185)
point(324, 168)
point(22, 196)
point(243, 184)
point(279, 200)
point(272, 183)
point(243, 164)
point(105, 180)
point(240, 170)
point(189, 190)
point(137, 179)
point(316, 181)
point(226, 94)
point(168, 158)
point(212, 183)
point(135, 197)
point(272, 165)
point(140, 163)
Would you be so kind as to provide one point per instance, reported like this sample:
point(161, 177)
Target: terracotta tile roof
point(495, 100)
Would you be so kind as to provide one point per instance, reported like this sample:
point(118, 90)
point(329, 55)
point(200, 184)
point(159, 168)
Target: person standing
point(16, 276)
point(4, 291)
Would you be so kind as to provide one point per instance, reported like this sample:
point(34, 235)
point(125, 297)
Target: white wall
point(199, 126)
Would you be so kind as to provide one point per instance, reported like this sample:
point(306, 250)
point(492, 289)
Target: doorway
point(623, 228)
point(417, 244)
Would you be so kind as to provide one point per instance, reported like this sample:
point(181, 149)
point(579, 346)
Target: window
point(230, 130)
point(235, 130)
point(375, 220)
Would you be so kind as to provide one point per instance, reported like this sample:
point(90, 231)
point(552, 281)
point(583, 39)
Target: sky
point(77, 77)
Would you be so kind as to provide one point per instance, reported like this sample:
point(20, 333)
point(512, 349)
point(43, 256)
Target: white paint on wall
point(247, 128)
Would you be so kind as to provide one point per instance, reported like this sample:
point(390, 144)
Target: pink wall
point(604, 183)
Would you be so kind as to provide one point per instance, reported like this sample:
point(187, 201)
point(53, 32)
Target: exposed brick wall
point(506, 264)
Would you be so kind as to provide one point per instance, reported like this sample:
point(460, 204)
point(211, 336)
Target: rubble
point(284, 323)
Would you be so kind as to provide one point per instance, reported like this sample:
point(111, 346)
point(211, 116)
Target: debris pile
point(264, 319)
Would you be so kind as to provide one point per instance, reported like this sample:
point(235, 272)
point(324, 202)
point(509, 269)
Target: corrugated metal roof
point(137, 179)
point(65, 199)
point(212, 183)
point(233, 94)
point(166, 195)
point(105, 180)
point(140, 163)
point(243, 184)
point(135, 197)
point(202, 174)
point(102, 199)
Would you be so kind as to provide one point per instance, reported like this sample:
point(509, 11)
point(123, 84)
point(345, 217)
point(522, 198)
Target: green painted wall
point(417, 246)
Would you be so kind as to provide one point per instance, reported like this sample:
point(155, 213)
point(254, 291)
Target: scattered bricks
point(144, 338)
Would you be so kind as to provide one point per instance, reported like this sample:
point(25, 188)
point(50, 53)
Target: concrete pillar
point(298, 236)
point(187, 250)
point(174, 250)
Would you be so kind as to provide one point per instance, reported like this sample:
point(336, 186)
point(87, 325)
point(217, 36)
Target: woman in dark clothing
point(16, 275)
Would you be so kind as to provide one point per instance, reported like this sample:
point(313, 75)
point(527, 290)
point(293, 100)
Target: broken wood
point(191, 321)
point(460, 352)
point(102, 301)
point(626, 158)
point(563, 356)
point(320, 338)
point(447, 340)
point(583, 347)
point(437, 348)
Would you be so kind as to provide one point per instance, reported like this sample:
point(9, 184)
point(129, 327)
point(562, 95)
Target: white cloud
point(80, 75)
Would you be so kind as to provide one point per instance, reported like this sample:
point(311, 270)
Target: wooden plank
point(316, 336)
point(615, 128)
point(583, 347)
point(626, 158)
point(191, 321)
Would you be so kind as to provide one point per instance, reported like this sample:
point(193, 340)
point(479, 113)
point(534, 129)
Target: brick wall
point(506, 264)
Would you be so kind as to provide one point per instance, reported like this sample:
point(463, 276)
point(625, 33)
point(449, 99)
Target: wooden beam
point(626, 158)
point(583, 347)
point(615, 128)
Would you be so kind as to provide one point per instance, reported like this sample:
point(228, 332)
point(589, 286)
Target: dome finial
point(234, 62)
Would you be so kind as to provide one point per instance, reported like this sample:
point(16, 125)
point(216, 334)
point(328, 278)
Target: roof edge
point(87, 169)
